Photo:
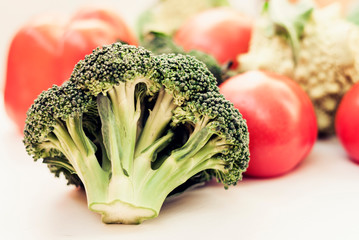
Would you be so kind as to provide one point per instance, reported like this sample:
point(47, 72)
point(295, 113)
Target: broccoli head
point(133, 128)
point(160, 43)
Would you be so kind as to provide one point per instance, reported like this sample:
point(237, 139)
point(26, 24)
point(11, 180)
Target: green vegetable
point(353, 14)
point(167, 16)
point(323, 61)
point(160, 43)
point(289, 20)
point(133, 128)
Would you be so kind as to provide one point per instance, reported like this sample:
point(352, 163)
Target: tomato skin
point(45, 50)
point(347, 122)
point(281, 120)
point(120, 27)
point(88, 29)
point(222, 32)
point(31, 65)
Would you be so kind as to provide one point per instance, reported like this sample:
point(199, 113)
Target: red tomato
point(281, 120)
point(90, 28)
point(32, 65)
point(222, 32)
point(347, 122)
point(45, 51)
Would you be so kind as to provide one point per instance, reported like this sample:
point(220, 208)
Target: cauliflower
point(320, 55)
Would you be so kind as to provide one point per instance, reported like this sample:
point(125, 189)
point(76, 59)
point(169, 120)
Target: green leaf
point(353, 15)
point(168, 15)
point(290, 19)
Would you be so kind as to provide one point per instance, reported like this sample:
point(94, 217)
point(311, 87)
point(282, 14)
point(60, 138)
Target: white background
point(318, 200)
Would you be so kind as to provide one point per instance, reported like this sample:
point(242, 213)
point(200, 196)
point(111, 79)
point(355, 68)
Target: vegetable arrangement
point(133, 127)
point(136, 119)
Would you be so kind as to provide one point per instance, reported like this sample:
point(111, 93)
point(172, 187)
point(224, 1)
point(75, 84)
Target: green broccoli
point(133, 128)
point(160, 43)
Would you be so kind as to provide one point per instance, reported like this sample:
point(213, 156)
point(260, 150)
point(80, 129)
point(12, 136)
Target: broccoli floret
point(133, 128)
point(161, 43)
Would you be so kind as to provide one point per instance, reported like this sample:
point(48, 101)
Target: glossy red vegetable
point(347, 122)
point(281, 120)
point(44, 51)
point(222, 32)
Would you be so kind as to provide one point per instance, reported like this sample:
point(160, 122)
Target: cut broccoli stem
point(158, 119)
point(133, 205)
point(71, 140)
point(197, 140)
point(206, 157)
point(182, 164)
point(118, 211)
point(105, 161)
point(60, 162)
point(143, 169)
point(75, 129)
point(123, 116)
point(150, 187)
point(112, 133)
point(136, 194)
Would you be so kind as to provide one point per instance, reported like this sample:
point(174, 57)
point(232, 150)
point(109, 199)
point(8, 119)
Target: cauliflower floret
point(326, 65)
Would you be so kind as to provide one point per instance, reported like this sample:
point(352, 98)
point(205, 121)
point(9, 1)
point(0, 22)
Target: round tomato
point(45, 50)
point(281, 120)
point(347, 122)
point(222, 32)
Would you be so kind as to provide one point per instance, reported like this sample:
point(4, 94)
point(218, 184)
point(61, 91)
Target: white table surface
point(318, 200)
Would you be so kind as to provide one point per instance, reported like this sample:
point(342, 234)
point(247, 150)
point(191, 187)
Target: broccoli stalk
point(157, 121)
point(133, 128)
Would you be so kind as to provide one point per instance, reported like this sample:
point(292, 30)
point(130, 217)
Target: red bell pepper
point(44, 52)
